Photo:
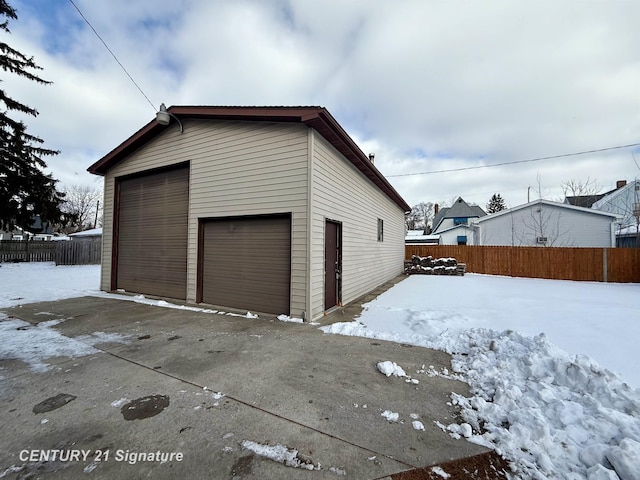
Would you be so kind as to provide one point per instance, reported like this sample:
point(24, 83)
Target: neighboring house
point(550, 224)
point(38, 230)
point(584, 201)
point(454, 224)
point(16, 234)
point(271, 209)
point(624, 201)
point(87, 234)
point(587, 201)
point(628, 237)
point(418, 237)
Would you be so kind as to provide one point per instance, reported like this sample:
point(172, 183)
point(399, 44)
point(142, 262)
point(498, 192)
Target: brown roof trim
point(318, 118)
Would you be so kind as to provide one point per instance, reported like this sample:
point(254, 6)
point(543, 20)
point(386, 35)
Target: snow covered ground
point(539, 356)
point(43, 281)
point(600, 320)
point(553, 412)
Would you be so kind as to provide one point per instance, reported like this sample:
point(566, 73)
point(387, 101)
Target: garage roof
point(318, 118)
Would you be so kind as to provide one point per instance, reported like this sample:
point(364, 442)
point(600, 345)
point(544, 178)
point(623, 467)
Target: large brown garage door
point(152, 233)
point(246, 263)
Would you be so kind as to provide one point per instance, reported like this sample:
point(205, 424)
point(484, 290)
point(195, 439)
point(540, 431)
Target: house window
point(460, 220)
point(462, 239)
point(380, 230)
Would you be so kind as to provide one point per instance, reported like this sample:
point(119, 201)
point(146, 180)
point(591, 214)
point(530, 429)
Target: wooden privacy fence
point(75, 252)
point(79, 252)
point(27, 251)
point(620, 265)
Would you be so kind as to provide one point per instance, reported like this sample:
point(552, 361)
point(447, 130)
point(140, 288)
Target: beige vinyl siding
point(236, 168)
point(340, 192)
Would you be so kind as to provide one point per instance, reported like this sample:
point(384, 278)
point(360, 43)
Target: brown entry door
point(332, 264)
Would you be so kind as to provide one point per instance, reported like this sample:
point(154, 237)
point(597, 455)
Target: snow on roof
point(88, 233)
point(418, 236)
point(630, 230)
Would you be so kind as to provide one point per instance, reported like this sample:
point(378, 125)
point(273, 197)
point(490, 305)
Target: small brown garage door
point(246, 263)
point(152, 233)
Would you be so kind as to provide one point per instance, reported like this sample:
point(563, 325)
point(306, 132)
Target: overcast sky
point(426, 85)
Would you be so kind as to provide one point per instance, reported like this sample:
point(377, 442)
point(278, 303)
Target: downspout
point(612, 228)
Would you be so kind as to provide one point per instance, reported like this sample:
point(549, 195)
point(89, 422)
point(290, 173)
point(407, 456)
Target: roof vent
point(372, 157)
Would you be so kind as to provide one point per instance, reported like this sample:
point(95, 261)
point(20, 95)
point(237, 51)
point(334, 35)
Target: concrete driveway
point(203, 395)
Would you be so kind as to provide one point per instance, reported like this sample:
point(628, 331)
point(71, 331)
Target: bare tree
point(82, 204)
point(579, 188)
point(420, 217)
point(541, 191)
point(544, 227)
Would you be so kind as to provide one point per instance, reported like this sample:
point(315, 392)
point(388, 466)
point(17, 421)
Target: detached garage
point(266, 209)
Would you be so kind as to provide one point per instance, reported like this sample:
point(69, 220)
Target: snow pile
point(440, 472)
point(391, 416)
point(120, 402)
point(281, 454)
point(163, 303)
point(625, 459)
point(287, 318)
point(543, 408)
point(417, 425)
point(552, 415)
point(389, 368)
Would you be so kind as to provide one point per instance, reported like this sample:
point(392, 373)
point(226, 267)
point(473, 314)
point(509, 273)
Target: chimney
point(436, 207)
point(620, 184)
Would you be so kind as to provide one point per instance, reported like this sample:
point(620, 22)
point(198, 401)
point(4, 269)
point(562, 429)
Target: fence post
point(605, 268)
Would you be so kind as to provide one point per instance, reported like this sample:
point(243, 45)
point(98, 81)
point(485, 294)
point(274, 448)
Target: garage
point(245, 262)
point(151, 225)
point(278, 212)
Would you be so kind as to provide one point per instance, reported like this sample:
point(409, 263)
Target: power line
point(113, 55)
point(515, 161)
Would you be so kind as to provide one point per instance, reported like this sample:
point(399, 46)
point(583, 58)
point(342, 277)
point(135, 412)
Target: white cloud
point(426, 85)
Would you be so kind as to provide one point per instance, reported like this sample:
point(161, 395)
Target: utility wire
point(113, 55)
point(515, 161)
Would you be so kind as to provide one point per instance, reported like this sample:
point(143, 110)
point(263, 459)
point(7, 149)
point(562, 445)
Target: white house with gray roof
point(544, 223)
point(455, 225)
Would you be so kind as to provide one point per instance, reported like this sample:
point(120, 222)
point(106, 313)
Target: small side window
point(380, 230)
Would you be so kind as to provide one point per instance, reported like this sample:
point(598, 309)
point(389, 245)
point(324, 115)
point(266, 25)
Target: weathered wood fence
point(74, 252)
point(620, 265)
point(79, 252)
point(27, 251)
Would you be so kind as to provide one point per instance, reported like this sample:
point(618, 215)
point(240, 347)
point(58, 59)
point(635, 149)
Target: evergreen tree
point(25, 190)
point(496, 204)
